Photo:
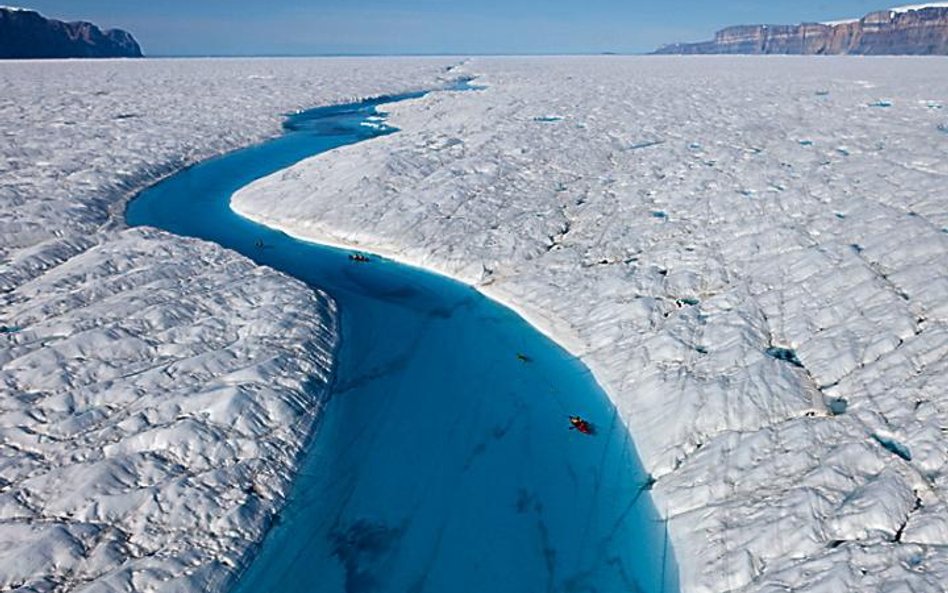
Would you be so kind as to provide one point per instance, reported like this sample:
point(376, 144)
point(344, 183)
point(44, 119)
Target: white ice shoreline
point(794, 206)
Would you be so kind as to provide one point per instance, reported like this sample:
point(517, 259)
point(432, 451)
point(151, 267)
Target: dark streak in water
point(361, 548)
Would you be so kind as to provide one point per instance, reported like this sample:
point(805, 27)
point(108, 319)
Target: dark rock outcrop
point(922, 31)
point(28, 34)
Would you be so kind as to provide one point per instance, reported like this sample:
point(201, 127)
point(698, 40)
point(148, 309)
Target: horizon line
point(393, 55)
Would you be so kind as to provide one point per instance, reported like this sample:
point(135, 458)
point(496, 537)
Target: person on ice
point(583, 426)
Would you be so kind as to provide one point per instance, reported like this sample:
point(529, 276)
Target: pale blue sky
point(301, 27)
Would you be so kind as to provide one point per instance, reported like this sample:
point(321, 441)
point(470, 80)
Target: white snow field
point(152, 389)
point(751, 253)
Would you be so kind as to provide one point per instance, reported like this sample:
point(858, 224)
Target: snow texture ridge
point(751, 254)
point(155, 392)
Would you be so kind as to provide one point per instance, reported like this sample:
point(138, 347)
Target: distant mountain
point(907, 30)
point(28, 34)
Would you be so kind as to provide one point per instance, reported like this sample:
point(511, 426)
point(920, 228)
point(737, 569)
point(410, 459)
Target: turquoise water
point(443, 462)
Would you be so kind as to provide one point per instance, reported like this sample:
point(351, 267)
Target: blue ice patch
point(784, 354)
point(893, 446)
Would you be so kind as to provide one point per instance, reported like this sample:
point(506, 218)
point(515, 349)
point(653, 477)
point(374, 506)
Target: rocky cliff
point(28, 34)
point(912, 30)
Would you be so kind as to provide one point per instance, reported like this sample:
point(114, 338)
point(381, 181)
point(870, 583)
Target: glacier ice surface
point(776, 339)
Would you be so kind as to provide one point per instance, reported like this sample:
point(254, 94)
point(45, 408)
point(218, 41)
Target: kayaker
point(583, 426)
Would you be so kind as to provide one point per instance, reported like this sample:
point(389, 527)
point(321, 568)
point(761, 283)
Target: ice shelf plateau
point(751, 254)
point(155, 392)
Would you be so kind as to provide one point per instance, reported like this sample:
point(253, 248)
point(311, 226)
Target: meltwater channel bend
point(443, 461)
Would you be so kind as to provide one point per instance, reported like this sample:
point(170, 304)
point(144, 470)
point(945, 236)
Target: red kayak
point(583, 426)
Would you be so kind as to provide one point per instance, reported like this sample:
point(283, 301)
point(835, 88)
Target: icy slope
point(154, 392)
point(750, 253)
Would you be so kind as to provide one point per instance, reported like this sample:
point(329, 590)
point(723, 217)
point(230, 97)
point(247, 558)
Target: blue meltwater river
point(443, 461)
